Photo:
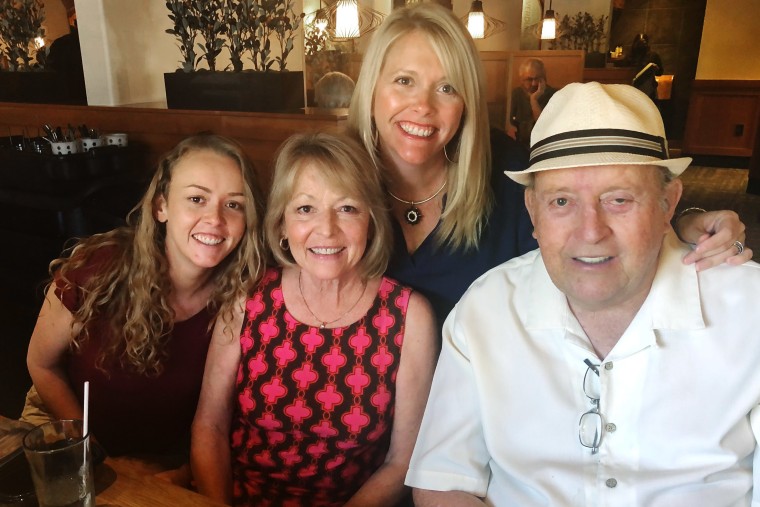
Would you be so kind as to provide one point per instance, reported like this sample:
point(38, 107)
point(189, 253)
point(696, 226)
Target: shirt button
point(608, 366)
point(611, 483)
point(610, 427)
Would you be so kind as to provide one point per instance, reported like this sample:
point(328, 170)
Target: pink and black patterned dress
point(314, 407)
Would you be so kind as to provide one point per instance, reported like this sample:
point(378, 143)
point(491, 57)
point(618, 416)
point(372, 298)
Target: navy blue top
point(443, 274)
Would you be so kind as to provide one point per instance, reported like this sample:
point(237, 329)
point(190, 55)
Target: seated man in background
point(528, 100)
point(599, 369)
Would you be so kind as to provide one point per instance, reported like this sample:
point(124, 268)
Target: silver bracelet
point(683, 213)
point(689, 211)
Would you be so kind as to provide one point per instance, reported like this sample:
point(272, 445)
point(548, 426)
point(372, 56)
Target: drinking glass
point(59, 457)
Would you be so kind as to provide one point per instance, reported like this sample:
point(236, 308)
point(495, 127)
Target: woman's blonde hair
point(469, 197)
point(131, 290)
point(346, 166)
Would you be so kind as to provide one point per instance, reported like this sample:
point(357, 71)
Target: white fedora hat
point(591, 124)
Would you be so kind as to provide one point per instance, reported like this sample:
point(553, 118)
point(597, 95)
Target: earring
point(284, 244)
point(447, 155)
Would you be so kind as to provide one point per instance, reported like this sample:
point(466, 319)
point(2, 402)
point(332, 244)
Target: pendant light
point(481, 25)
point(549, 24)
point(476, 22)
point(320, 18)
point(347, 19)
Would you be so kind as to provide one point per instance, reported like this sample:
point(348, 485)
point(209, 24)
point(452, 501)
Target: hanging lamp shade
point(347, 19)
point(549, 25)
point(481, 25)
point(320, 19)
point(476, 21)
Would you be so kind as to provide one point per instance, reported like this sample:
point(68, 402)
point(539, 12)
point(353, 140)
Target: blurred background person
point(528, 100)
point(648, 65)
point(641, 53)
point(65, 58)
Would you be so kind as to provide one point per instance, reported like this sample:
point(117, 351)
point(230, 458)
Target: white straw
point(86, 407)
point(85, 424)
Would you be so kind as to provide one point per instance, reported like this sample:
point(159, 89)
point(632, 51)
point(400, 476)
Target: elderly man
point(528, 100)
point(599, 369)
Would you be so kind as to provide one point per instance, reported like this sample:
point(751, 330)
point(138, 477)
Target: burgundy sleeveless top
point(314, 407)
point(132, 413)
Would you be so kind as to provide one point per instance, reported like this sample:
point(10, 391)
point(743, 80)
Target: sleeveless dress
point(131, 413)
point(314, 407)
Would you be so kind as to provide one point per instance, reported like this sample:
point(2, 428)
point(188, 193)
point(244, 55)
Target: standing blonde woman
point(131, 310)
point(420, 109)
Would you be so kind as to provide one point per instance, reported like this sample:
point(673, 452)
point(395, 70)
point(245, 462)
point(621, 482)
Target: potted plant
point(22, 75)
point(185, 30)
point(247, 29)
point(240, 25)
point(212, 27)
point(583, 31)
point(20, 24)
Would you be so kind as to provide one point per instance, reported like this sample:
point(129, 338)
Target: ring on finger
point(739, 247)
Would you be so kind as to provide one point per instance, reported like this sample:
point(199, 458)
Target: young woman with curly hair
point(131, 310)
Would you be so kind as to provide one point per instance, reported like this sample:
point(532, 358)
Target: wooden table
point(118, 485)
point(118, 482)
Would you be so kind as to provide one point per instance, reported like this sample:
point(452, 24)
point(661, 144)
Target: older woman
point(420, 109)
point(131, 310)
point(324, 389)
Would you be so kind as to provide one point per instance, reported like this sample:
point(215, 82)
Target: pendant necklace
point(412, 214)
point(323, 324)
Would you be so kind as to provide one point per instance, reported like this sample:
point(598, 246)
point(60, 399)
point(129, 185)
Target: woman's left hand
point(715, 234)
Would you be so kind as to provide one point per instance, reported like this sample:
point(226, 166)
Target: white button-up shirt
point(678, 394)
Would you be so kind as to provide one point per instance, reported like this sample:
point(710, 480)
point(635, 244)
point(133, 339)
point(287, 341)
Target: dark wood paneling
point(495, 67)
point(722, 118)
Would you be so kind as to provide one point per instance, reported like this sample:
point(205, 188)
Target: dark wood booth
point(83, 193)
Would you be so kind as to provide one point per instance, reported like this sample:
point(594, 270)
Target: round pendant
point(413, 215)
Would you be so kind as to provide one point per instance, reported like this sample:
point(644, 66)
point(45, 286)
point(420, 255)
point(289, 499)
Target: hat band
point(581, 142)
